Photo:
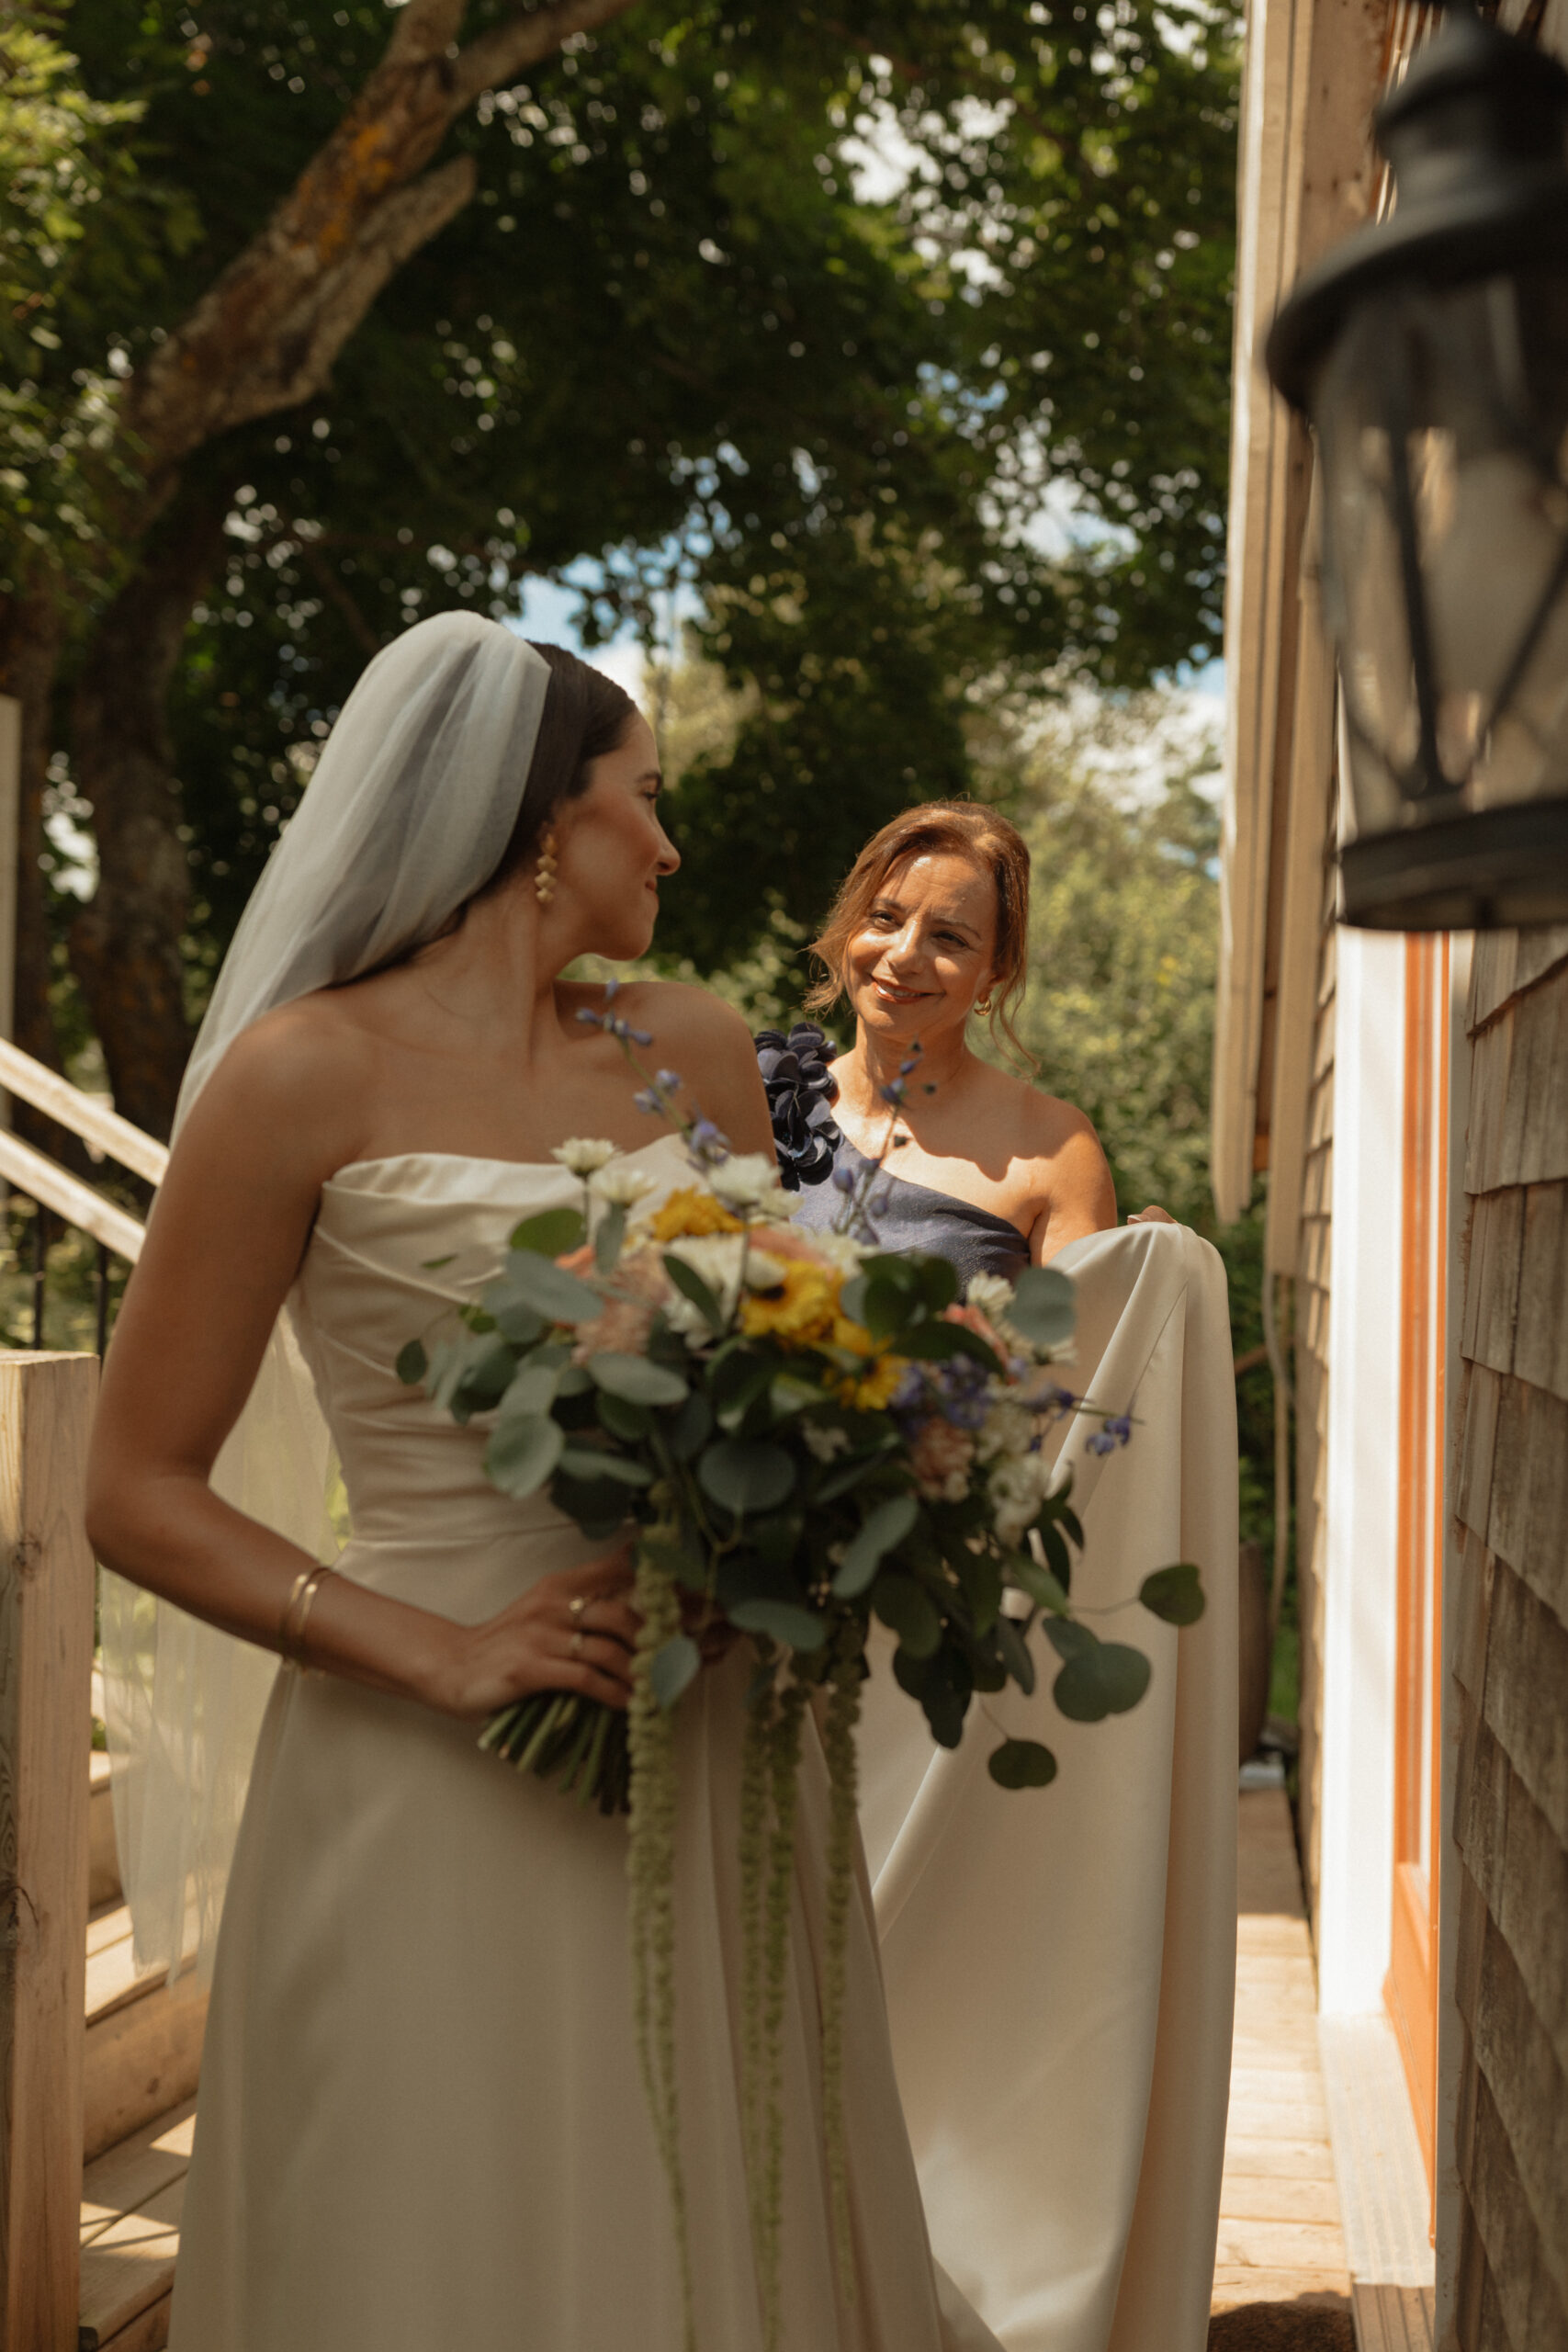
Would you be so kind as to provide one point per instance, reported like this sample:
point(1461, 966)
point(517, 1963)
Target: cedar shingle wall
point(1312, 1263)
point(1511, 1664)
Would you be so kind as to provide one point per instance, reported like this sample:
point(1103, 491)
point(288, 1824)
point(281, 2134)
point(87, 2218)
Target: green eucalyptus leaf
point(944, 1694)
point(1107, 1679)
point(690, 1428)
point(689, 1283)
point(671, 1668)
point(782, 1621)
point(549, 1290)
point(789, 1394)
point(1070, 1526)
point(533, 1390)
point(1021, 1764)
point(987, 1666)
point(517, 1322)
point(412, 1364)
point(551, 1234)
point(590, 1463)
point(631, 1423)
point(735, 1382)
point(937, 1342)
point(1068, 1638)
point(1044, 1308)
point(746, 1475)
point(488, 1375)
point(911, 1674)
point(1058, 1559)
point(574, 1381)
point(637, 1379)
point(1039, 1583)
point(522, 1453)
point(937, 1279)
point(909, 1611)
point(980, 1574)
point(1017, 1655)
point(851, 1298)
point(1176, 1594)
point(885, 1529)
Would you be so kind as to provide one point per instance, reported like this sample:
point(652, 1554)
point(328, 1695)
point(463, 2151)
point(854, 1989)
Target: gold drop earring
point(545, 875)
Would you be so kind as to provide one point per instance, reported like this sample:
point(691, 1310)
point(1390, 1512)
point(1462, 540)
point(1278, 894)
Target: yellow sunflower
point(802, 1309)
point(874, 1388)
point(689, 1212)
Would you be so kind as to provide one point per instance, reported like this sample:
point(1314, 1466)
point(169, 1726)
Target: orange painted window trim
point(1410, 1992)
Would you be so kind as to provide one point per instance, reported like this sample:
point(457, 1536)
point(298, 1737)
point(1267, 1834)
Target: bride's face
point(925, 951)
point(612, 851)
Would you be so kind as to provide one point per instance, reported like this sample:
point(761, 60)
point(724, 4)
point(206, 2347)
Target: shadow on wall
point(1312, 2323)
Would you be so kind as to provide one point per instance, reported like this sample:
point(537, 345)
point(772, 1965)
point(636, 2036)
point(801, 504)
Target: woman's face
point(925, 951)
point(611, 850)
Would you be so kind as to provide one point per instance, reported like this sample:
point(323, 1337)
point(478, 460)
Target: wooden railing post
point(45, 1660)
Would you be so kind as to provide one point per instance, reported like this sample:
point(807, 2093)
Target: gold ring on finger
point(577, 1642)
point(576, 1605)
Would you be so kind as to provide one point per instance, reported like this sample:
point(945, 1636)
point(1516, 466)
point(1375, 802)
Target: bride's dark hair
point(586, 715)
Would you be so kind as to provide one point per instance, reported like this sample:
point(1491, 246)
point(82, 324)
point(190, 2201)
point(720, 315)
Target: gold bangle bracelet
point(291, 1633)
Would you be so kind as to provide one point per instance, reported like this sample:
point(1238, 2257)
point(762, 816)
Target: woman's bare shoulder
point(1071, 1178)
point(296, 1079)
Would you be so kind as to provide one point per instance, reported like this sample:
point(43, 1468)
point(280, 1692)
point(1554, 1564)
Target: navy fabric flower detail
point(800, 1088)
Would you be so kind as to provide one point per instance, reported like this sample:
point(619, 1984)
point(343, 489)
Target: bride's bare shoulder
point(676, 1016)
point(301, 1071)
point(706, 1043)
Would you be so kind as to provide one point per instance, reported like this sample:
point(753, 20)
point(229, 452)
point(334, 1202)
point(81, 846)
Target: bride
point(421, 2120)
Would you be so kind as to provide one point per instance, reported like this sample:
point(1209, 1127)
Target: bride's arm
point(223, 1245)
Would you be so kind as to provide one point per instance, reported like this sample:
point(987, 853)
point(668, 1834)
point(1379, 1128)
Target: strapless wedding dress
point(421, 2124)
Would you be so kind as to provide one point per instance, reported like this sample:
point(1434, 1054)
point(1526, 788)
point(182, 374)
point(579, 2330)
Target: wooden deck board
point(130, 2234)
point(1280, 2239)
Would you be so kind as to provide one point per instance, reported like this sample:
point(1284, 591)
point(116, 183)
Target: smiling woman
point(930, 927)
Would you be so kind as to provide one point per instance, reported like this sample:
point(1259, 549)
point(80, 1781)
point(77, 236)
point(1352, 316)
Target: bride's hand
point(1152, 1216)
point(574, 1631)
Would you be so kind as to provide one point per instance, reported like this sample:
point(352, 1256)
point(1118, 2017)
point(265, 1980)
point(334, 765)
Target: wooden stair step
point(143, 2051)
point(131, 2198)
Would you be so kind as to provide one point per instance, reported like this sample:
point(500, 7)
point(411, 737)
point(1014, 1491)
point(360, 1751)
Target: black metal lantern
point(1431, 352)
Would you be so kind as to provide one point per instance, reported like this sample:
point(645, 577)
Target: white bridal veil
point(410, 806)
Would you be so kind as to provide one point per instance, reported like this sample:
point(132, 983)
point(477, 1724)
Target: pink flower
point(972, 1320)
point(623, 1328)
point(941, 1458)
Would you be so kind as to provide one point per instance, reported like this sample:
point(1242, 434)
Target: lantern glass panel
point(1443, 423)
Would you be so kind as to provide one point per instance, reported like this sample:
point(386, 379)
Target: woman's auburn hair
point(937, 828)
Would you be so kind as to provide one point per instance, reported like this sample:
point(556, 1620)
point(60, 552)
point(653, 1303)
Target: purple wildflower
point(1100, 1443)
point(709, 1147)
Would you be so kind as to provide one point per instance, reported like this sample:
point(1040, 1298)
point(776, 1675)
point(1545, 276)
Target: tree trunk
point(125, 944)
point(31, 634)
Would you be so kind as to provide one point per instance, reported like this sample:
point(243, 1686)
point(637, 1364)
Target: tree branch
point(266, 333)
point(500, 55)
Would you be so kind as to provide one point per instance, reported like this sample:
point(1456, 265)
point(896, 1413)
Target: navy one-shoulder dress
point(902, 1216)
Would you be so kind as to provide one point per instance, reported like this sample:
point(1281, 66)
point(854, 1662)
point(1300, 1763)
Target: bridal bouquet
point(807, 1434)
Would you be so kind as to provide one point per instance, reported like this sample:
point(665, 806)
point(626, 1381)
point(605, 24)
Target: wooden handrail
point(103, 1129)
point(41, 1180)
